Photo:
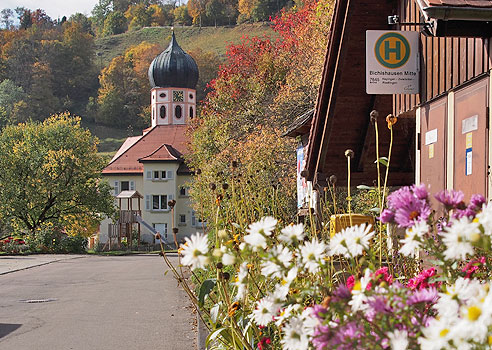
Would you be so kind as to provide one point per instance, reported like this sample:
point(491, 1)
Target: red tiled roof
point(164, 152)
point(459, 3)
point(128, 160)
point(130, 141)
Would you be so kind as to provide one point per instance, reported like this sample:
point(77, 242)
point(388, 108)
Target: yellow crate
point(340, 221)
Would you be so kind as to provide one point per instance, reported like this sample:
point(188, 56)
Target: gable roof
point(164, 153)
point(126, 160)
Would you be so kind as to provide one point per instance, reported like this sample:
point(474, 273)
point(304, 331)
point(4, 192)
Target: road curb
point(38, 264)
point(202, 333)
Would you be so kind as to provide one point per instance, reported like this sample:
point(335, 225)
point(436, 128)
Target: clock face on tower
point(178, 96)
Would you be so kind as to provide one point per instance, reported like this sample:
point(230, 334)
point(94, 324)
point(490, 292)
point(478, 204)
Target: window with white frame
point(183, 191)
point(159, 175)
point(197, 221)
point(157, 202)
point(120, 186)
point(182, 220)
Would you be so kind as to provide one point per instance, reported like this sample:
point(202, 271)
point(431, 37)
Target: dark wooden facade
point(446, 62)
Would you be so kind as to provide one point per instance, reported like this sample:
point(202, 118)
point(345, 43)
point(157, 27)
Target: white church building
point(148, 171)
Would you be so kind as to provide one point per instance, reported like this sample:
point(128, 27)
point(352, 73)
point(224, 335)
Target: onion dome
point(173, 68)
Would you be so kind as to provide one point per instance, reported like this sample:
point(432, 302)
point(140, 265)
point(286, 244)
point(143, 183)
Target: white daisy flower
point(458, 237)
point(359, 298)
point(265, 226)
point(228, 259)
point(266, 310)
point(358, 238)
point(310, 322)
point(256, 240)
point(436, 335)
point(313, 254)
point(398, 339)
point(294, 336)
point(240, 279)
point(283, 254)
point(194, 250)
point(270, 268)
point(419, 229)
point(280, 293)
point(291, 276)
point(410, 246)
point(292, 233)
point(338, 245)
point(485, 218)
point(286, 313)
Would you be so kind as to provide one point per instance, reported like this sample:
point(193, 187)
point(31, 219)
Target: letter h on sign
point(396, 50)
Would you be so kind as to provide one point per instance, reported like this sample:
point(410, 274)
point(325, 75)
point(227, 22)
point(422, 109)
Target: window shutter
point(149, 175)
point(116, 188)
point(169, 174)
point(147, 202)
point(132, 185)
point(193, 219)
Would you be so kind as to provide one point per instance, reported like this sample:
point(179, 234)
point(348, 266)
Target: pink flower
point(472, 266)
point(421, 280)
point(384, 272)
point(451, 199)
point(350, 282)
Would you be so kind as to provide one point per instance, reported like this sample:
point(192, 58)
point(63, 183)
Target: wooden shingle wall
point(445, 62)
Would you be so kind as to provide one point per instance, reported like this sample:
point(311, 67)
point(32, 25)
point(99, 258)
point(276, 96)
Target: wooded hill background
point(96, 66)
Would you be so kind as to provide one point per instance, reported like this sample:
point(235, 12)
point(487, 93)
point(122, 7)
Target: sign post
point(392, 62)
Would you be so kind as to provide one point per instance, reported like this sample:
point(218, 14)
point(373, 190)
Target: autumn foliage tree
point(124, 91)
point(241, 120)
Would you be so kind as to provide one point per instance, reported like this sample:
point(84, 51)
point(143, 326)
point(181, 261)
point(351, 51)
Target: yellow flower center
point(443, 332)
point(474, 313)
point(357, 286)
point(490, 340)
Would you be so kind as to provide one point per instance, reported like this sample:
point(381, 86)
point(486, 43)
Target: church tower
point(173, 76)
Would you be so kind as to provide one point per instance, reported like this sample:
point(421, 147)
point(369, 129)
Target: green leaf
point(364, 187)
point(382, 160)
point(205, 289)
point(212, 336)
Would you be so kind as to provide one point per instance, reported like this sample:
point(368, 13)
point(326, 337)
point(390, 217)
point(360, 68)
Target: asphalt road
point(96, 303)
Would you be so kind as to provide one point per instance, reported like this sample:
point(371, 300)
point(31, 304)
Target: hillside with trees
point(90, 67)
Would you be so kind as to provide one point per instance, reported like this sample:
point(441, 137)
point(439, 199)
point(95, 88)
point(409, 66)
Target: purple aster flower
point(411, 211)
point(399, 198)
point(319, 311)
point(387, 216)
point(468, 212)
point(420, 191)
point(322, 337)
point(341, 293)
point(477, 201)
point(451, 198)
point(425, 295)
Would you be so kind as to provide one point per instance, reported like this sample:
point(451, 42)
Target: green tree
point(99, 13)
point(10, 94)
point(51, 172)
point(115, 23)
point(83, 21)
point(214, 9)
point(181, 16)
point(139, 16)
